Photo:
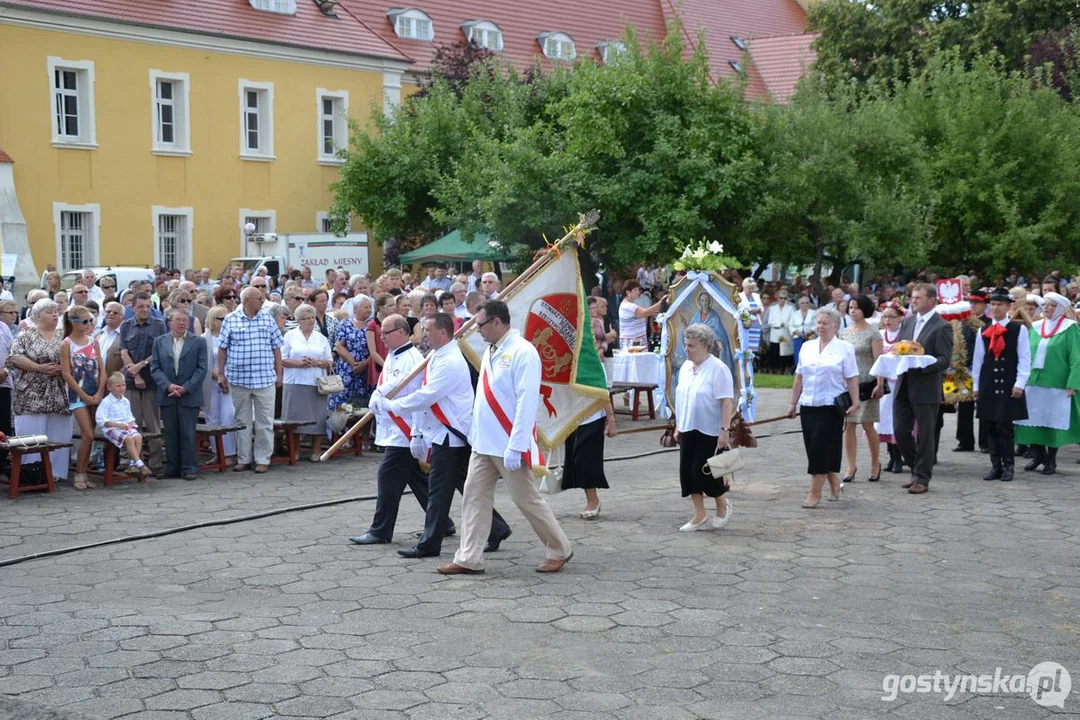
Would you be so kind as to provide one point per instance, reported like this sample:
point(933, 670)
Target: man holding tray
point(918, 390)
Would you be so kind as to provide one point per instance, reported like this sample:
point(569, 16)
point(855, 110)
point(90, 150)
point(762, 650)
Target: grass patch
point(777, 382)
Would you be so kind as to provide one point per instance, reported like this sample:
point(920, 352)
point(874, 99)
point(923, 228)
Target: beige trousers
point(477, 501)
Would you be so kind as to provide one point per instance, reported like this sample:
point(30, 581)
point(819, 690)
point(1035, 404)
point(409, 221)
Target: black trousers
point(965, 425)
point(178, 423)
point(1000, 439)
point(397, 471)
point(449, 466)
point(919, 456)
point(5, 424)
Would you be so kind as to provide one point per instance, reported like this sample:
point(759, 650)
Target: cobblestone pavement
point(783, 613)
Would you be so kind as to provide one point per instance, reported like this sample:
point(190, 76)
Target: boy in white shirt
point(118, 423)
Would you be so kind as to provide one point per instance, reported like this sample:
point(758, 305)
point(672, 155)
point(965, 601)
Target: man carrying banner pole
point(503, 438)
point(399, 466)
point(441, 412)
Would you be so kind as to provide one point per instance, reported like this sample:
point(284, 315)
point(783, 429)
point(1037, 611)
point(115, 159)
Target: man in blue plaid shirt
point(249, 349)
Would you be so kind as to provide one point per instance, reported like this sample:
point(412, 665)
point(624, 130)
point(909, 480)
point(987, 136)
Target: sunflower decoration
point(949, 387)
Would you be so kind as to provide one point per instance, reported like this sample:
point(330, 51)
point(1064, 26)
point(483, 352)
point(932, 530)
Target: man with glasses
point(137, 336)
point(79, 295)
point(399, 467)
point(260, 283)
point(503, 440)
point(107, 336)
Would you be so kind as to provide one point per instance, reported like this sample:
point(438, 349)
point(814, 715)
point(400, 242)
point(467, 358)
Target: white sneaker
point(719, 522)
point(692, 526)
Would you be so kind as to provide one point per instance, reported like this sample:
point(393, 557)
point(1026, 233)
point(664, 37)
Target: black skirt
point(584, 466)
point(823, 437)
point(695, 448)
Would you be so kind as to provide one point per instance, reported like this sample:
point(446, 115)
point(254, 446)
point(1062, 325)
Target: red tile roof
point(5, 158)
point(587, 23)
point(781, 61)
point(309, 28)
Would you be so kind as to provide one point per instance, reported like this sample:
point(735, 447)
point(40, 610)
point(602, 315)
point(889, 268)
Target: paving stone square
point(783, 613)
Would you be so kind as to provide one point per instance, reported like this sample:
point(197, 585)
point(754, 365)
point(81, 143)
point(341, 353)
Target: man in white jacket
point(399, 466)
point(441, 415)
point(503, 439)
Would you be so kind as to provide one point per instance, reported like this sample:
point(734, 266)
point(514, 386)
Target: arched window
point(557, 45)
point(610, 50)
point(483, 33)
point(412, 24)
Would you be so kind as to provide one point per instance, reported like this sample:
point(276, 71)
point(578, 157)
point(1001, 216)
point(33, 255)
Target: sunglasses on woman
point(82, 321)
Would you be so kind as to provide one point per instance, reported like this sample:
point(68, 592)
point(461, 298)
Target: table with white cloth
point(641, 367)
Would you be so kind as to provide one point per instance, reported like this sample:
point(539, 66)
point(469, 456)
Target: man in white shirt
point(441, 416)
point(476, 276)
point(399, 467)
point(490, 285)
point(93, 291)
point(503, 439)
point(110, 330)
point(461, 310)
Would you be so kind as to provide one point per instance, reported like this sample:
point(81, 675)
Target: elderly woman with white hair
point(750, 304)
point(827, 369)
point(1053, 404)
point(306, 357)
point(704, 399)
point(40, 401)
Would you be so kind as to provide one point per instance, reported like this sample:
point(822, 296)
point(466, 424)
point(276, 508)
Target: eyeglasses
point(81, 321)
point(489, 320)
point(108, 287)
point(228, 297)
point(261, 287)
point(183, 302)
point(393, 330)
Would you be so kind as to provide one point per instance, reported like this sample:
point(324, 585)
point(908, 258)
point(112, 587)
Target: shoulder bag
point(330, 385)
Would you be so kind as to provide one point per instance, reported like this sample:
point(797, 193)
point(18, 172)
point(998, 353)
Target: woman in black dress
point(584, 465)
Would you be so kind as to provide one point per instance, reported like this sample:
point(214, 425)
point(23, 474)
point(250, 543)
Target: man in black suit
point(178, 365)
point(918, 391)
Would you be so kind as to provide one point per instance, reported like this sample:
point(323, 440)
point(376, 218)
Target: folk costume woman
point(1052, 402)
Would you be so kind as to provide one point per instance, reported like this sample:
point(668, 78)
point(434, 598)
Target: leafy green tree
point(1004, 165)
point(892, 39)
point(843, 180)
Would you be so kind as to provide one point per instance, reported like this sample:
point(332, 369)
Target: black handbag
point(843, 401)
point(866, 390)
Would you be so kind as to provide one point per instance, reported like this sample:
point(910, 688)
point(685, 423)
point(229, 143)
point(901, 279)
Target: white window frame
point(185, 254)
point(610, 50)
point(265, 153)
point(87, 137)
point(245, 213)
point(484, 29)
point(565, 48)
point(90, 256)
point(341, 124)
point(278, 7)
point(181, 100)
point(322, 222)
point(397, 15)
point(391, 91)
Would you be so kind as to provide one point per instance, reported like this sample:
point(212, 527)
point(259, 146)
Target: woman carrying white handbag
point(704, 399)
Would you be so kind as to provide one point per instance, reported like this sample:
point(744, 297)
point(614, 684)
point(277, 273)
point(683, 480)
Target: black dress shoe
point(908, 484)
point(416, 553)
point(493, 545)
point(368, 539)
point(963, 448)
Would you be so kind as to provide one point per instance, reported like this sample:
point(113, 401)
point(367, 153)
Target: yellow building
point(150, 133)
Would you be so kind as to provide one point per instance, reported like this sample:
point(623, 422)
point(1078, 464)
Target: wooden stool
point(292, 443)
point(357, 438)
point(16, 453)
point(637, 388)
point(111, 456)
point(214, 437)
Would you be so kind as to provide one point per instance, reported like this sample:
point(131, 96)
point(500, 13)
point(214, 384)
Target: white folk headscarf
point(1060, 305)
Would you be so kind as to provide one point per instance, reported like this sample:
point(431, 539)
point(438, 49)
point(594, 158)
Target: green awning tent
point(453, 248)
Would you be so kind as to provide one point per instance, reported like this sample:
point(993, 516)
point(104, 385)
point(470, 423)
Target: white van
point(122, 275)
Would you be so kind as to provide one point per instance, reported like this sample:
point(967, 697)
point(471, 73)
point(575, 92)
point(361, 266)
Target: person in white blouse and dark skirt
point(703, 406)
point(826, 370)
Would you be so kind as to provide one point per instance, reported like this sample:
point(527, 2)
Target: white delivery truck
point(318, 251)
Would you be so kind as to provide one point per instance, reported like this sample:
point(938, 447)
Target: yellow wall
point(126, 179)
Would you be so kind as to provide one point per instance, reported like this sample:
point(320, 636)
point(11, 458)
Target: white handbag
point(725, 463)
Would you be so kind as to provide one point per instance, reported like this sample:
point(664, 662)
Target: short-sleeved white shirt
point(297, 347)
point(825, 374)
point(631, 327)
point(699, 394)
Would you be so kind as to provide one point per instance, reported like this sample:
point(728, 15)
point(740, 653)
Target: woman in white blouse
point(218, 406)
point(827, 369)
point(803, 325)
point(703, 406)
point(305, 357)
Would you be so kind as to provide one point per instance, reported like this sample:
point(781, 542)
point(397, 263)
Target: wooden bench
point(16, 452)
point(357, 438)
point(213, 438)
point(619, 388)
point(111, 457)
point(292, 442)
